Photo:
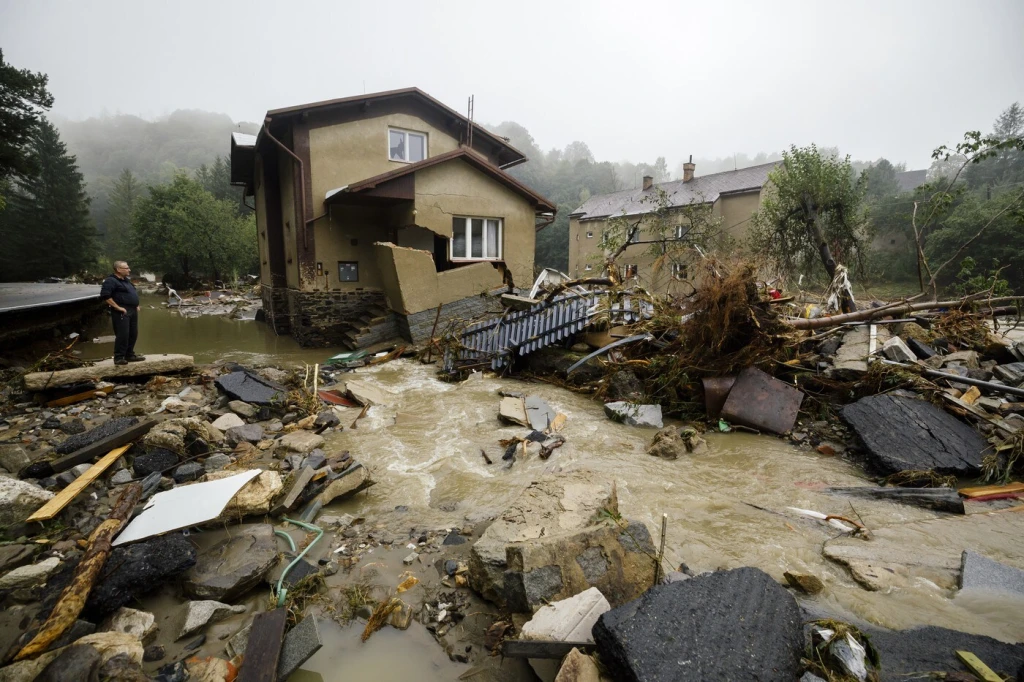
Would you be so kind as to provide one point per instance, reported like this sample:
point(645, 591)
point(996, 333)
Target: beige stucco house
point(732, 196)
point(374, 211)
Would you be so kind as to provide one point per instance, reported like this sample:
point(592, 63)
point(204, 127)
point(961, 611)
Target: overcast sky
point(634, 80)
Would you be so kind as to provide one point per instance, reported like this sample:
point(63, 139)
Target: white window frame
point(679, 271)
point(405, 144)
point(679, 231)
point(468, 226)
point(590, 235)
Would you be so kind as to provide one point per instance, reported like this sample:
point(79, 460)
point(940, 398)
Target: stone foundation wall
point(275, 308)
point(318, 318)
point(417, 327)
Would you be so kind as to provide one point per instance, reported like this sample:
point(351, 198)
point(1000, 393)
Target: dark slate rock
point(135, 569)
point(451, 566)
point(327, 418)
point(51, 423)
point(315, 460)
point(593, 563)
point(299, 571)
point(251, 388)
point(532, 587)
point(153, 652)
point(13, 556)
point(122, 668)
point(246, 433)
point(636, 538)
point(194, 445)
point(454, 538)
point(156, 460)
point(73, 426)
point(904, 433)
point(108, 428)
point(150, 484)
point(173, 672)
point(922, 350)
point(233, 566)
point(195, 643)
point(78, 630)
point(908, 652)
point(189, 471)
point(728, 625)
point(79, 662)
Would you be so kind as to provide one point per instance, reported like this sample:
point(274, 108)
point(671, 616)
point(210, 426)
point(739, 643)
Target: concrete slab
point(568, 620)
point(980, 572)
point(301, 642)
point(106, 369)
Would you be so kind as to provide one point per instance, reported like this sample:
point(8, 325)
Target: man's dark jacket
point(121, 290)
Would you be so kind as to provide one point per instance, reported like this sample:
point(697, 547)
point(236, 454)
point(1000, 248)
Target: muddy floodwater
point(725, 509)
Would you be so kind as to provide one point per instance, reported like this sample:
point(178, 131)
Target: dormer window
point(407, 146)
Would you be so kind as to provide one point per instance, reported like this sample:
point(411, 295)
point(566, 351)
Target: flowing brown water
point(424, 451)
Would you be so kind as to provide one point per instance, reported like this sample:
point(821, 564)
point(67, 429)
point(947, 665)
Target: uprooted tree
point(812, 211)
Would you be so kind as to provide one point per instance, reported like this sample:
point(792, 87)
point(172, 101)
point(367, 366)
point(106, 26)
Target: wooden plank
point(985, 490)
point(978, 667)
point(79, 397)
point(83, 455)
point(263, 652)
point(530, 648)
point(64, 497)
point(153, 364)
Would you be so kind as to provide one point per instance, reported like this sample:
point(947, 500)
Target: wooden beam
point(263, 652)
point(83, 455)
point(79, 397)
point(529, 648)
point(64, 497)
point(985, 490)
point(978, 667)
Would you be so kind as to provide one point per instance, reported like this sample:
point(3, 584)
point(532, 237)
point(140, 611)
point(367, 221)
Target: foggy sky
point(634, 80)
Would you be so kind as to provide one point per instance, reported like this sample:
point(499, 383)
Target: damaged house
point(376, 210)
point(733, 198)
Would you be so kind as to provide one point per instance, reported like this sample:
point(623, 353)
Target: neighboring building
point(734, 196)
point(374, 210)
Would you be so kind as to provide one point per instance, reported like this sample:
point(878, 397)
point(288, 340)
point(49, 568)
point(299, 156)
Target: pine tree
point(47, 230)
point(124, 198)
point(23, 96)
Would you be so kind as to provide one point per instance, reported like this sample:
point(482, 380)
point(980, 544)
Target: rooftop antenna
point(734, 161)
point(469, 134)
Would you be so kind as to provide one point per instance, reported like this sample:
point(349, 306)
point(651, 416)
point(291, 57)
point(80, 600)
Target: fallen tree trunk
point(940, 499)
point(892, 309)
point(72, 600)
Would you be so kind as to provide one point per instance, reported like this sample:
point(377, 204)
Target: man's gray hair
point(120, 263)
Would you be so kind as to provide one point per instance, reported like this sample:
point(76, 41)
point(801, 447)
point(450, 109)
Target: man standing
point(120, 295)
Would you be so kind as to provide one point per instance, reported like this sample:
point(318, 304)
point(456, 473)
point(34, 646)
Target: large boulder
point(728, 625)
point(673, 442)
point(135, 569)
point(908, 434)
point(255, 497)
point(19, 500)
point(553, 505)
point(234, 565)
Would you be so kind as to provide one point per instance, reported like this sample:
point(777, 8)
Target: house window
point(348, 271)
point(631, 271)
point(405, 145)
point(476, 239)
point(678, 271)
point(590, 235)
point(588, 267)
point(635, 236)
point(679, 231)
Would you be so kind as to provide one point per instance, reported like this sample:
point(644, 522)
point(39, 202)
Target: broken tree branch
point(892, 309)
point(72, 600)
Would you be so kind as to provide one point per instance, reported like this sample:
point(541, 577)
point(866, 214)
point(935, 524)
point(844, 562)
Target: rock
point(248, 387)
point(104, 430)
point(906, 653)
point(247, 433)
point(135, 569)
point(76, 662)
point(366, 393)
point(122, 668)
point(13, 457)
point(108, 644)
point(904, 433)
point(727, 625)
point(567, 620)
point(808, 584)
point(1012, 373)
point(12, 556)
point(978, 572)
point(315, 460)
point(29, 576)
point(300, 441)
point(227, 421)
point(189, 471)
point(548, 506)
point(577, 667)
point(175, 434)
point(897, 351)
point(350, 483)
point(553, 361)
point(121, 477)
point(539, 414)
point(217, 461)
point(301, 642)
point(920, 349)
point(673, 442)
point(72, 426)
point(154, 461)
point(139, 624)
point(634, 414)
point(153, 652)
point(624, 385)
point(255, 497)
point(274, 426)
point(454, 538)
point(210, 669)
point(234, 565)
point(614, 558)
point(19, 500)
point(326, 418)
point(194, 615)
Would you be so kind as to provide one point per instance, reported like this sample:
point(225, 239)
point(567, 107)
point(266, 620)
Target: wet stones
point(154, 461)
point(139, 624)
point(234, 565)
point(194, 615)
point(217, 461)
point(673, 442)
point(227, 421)
point(189, 471)
point(908, 434)
point(19, 500)
point(300, 441)
point(728, 625)
point(624, 385)
point(135, 569)
point(108, 428)
point(13, 457)
point(248, 387)
point(247, 433)
point(327, 418)
point(30, 575)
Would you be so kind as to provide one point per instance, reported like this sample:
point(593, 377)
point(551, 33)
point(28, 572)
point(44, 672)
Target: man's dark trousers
point(126, 331)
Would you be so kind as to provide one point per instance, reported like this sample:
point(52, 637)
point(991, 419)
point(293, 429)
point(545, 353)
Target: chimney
point(688, 169)
point(648, 181)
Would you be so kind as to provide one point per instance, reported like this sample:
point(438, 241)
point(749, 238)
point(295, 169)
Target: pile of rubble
point(237, 305)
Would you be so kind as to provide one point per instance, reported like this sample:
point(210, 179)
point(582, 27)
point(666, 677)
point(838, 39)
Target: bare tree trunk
point(815, 232)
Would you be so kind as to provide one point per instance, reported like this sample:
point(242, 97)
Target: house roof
point(911, 180)
point(475, 160)
point(701, 189)
point(416, 93)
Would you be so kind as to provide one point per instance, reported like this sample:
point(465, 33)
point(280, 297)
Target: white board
point(184, 506)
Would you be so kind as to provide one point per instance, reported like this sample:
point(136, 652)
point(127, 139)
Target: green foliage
point(967, 282)
point(881, 181)
point(23, 97)
point(812, 198)
point(183, 229)
point(124, 198)
point(46, 229)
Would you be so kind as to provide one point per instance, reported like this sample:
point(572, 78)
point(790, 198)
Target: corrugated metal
point(520, 332)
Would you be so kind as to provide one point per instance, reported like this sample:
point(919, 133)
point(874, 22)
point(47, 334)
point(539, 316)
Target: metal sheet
point(762, 402)
point(716, 390)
